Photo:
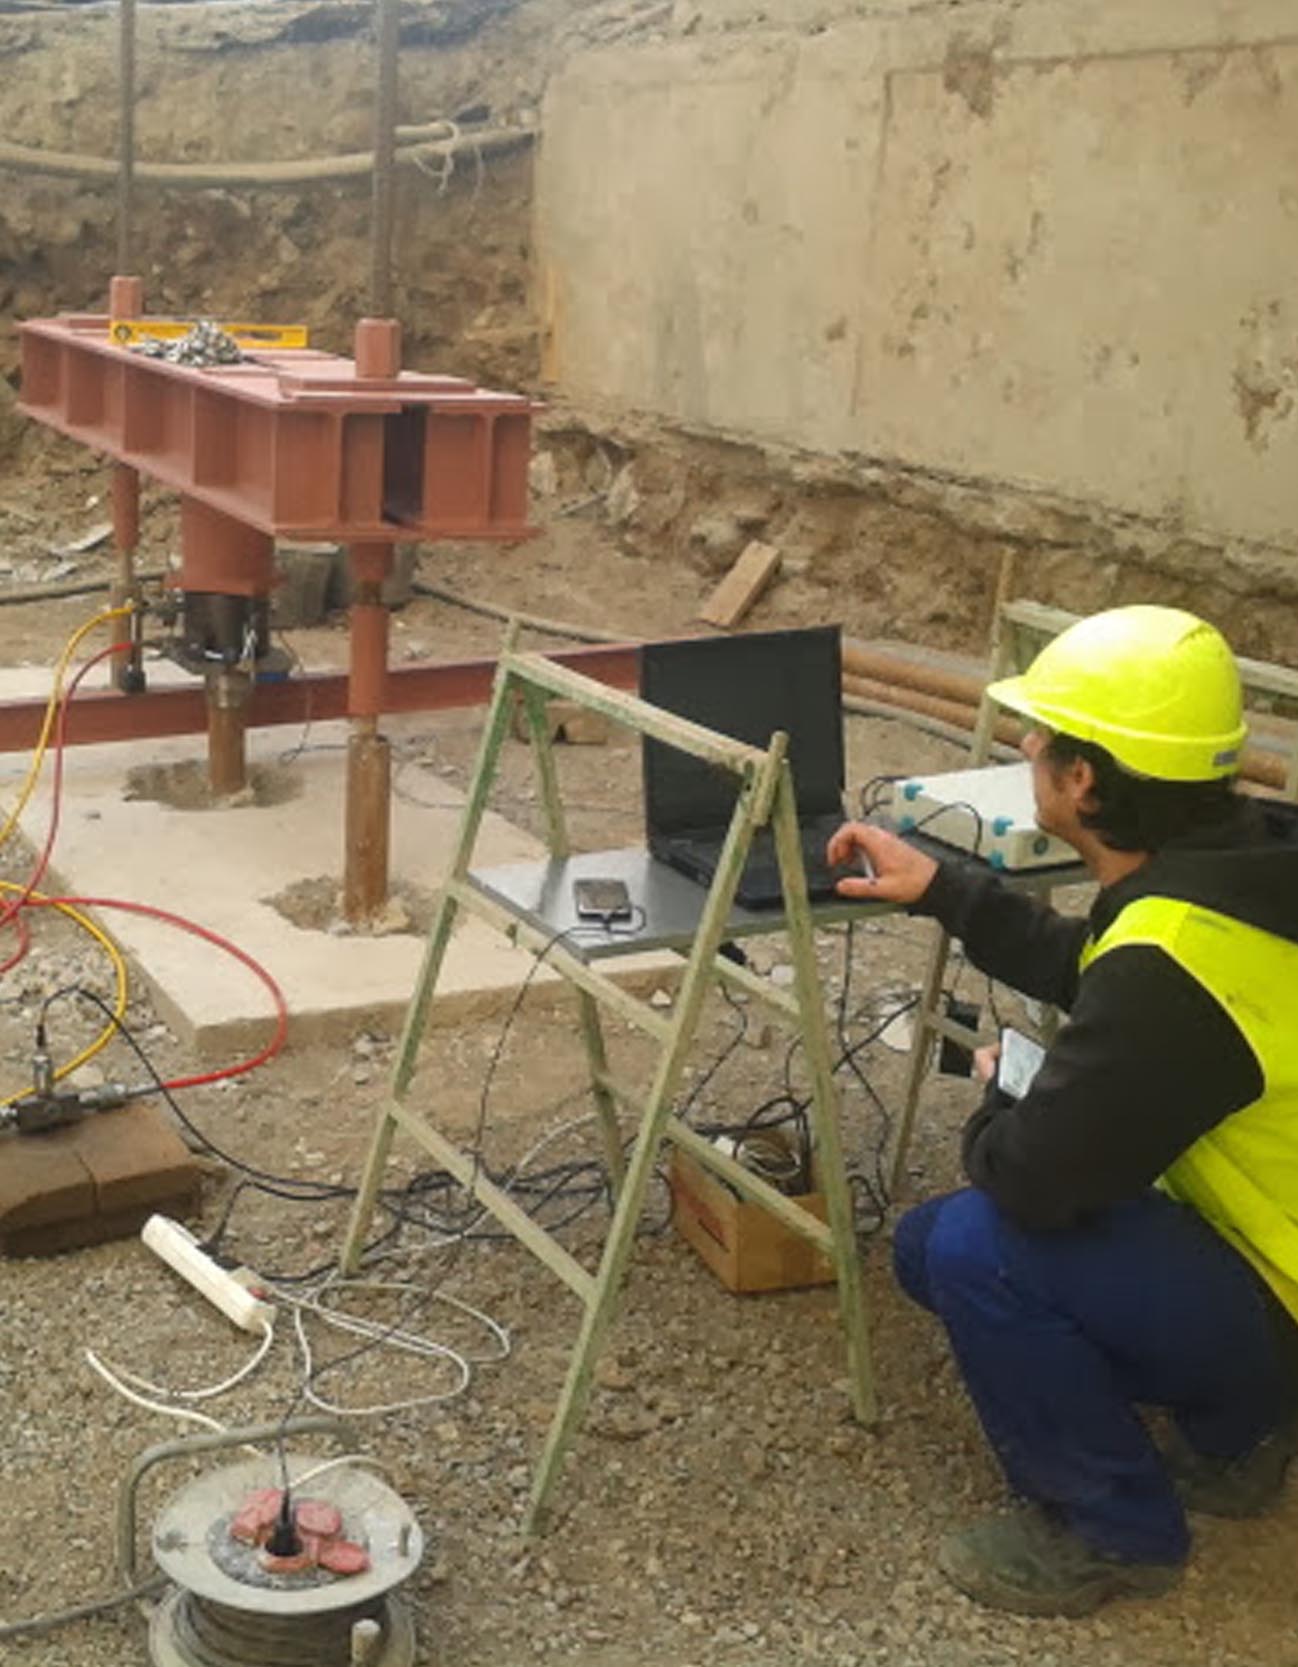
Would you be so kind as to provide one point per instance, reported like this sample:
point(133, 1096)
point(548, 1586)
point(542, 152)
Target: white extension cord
point(180, 1250)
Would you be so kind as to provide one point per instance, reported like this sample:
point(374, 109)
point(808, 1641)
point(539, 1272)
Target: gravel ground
point(720, 1505)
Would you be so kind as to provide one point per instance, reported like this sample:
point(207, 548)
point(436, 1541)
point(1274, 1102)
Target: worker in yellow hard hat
point(1129, 1237)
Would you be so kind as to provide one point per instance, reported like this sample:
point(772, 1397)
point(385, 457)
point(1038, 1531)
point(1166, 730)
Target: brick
point(94, 1180)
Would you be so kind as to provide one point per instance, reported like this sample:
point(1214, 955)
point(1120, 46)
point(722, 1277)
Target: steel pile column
point(126, 300)
point(369, 764)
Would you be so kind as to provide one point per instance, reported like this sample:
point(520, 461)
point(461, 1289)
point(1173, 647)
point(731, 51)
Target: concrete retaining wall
point(1051, 244)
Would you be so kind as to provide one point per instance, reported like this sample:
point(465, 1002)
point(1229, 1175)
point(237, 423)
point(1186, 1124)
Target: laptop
point(746, 687)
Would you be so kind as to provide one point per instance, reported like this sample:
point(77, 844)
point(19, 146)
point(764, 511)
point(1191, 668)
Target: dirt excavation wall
point(899, 285)
point(243, 83)
point(1011, 270)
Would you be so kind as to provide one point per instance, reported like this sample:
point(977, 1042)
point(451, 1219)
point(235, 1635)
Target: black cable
point(296, 1189)
point(876, 1192)
point(291, 1185)
point(945, 810)
point(790, 1107)
point(874, 797)
point(741, 1030)
point(349, 1356)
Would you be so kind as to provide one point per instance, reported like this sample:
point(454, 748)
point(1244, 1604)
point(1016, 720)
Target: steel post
point(126, 300)
point(227, 722)
point(368, 813)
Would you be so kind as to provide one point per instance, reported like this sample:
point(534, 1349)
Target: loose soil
point(720, 1505)
point(185, 786)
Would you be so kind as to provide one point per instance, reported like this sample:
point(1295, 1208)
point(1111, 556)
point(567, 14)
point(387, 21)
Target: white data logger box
point(989, 812)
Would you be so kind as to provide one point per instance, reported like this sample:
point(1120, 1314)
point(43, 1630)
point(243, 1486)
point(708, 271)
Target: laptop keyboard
point(759, 885)
point(760, 882)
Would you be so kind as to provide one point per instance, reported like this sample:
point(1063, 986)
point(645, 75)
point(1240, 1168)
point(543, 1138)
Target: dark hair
point(1139, 813)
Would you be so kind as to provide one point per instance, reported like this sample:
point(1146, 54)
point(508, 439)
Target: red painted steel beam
point(298, 444)
point(106, 715)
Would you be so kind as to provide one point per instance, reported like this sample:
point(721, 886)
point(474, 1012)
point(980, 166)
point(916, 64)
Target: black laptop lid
point(747, 687)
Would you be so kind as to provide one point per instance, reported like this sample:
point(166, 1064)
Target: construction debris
point(741, 587)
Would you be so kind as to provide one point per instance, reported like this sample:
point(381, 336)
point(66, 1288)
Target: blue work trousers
point(1059, 1335)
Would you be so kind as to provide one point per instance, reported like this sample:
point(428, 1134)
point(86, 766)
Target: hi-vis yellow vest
point(1242, 1175)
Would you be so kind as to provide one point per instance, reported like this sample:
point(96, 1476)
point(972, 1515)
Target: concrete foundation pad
point(223, 866)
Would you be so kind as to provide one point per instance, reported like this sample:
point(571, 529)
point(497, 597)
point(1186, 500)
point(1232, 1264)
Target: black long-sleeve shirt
point(1148, 1060)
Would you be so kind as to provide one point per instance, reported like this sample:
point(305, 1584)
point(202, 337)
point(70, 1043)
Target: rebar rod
point(385, 129)
point(125, 133)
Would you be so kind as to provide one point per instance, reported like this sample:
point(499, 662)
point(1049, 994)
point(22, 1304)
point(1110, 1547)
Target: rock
point(543, 474)
point(716, 540)
point(392, 917)
point(612, 1374)
point(623, 497)
point(598, 471)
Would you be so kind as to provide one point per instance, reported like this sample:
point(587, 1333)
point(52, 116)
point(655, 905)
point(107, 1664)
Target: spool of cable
point(227, 1609)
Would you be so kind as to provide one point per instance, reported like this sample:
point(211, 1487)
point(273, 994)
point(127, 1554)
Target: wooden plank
point(439, 936)
point(592, 1032)
point(537, 715)
point(747, 579)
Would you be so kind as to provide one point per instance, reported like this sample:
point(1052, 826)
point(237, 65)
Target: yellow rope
point(119, 970)
point(52, 706)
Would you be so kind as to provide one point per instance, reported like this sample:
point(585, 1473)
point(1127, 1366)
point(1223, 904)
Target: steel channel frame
point(106, 715)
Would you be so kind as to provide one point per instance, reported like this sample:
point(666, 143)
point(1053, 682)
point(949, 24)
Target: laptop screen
point(747, 687)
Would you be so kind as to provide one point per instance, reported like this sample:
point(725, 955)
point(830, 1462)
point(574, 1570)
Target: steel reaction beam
point(97, 715)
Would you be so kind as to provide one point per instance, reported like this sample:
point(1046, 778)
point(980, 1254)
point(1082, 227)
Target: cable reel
point(225, 1609)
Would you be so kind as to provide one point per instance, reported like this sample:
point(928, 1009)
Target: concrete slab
point(221, 867)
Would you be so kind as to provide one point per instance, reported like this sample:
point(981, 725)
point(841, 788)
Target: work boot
point(1031, 1564)
point(1242, 1487)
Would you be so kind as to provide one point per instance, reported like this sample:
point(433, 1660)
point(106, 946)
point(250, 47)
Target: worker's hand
point(891, 870)
point(985, 1061)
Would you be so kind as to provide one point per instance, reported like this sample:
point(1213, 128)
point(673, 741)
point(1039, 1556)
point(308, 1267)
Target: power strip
point(180, 1250)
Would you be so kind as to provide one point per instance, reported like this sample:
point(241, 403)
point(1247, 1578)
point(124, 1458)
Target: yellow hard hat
point(1157, 688)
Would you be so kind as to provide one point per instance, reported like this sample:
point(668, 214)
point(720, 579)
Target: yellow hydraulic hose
point(56, 693)
point(11, 822)
point(119, 971)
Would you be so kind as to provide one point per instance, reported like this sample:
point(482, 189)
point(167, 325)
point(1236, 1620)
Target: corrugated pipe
point(251, 176)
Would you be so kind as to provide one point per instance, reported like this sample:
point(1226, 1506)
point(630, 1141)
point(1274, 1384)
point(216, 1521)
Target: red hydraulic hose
point(152, 912)
point(12, 912)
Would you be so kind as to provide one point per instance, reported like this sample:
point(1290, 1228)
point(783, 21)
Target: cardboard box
point(745, 1246)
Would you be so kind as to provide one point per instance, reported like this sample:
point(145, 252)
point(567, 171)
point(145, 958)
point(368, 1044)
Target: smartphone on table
point(602, 899)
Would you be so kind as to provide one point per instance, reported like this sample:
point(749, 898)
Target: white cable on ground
point(300, 1481)
point(115, 1382)
point(388, 1337)
point(402, 1341)
point(244, 1371)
